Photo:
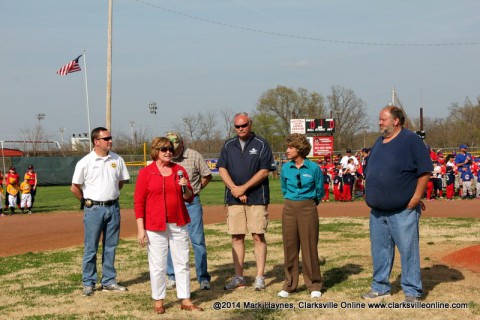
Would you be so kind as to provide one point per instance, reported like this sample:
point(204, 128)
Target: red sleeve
point(140, 195)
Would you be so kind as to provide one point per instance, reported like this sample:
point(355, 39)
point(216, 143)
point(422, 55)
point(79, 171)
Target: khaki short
point(243, 219)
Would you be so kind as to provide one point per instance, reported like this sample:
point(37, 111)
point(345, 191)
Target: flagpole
point(88, 105)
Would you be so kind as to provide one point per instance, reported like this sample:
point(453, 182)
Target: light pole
point(132, 131)
point(364, 128)
point(40, 117)
point(38, 130)
point(62, 131)
point(152, 107)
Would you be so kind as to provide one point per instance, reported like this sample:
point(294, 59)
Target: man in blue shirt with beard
point(399, 168)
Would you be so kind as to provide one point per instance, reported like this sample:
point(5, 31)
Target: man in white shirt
point(345, 158)
point(96, 182)
point(344, 163)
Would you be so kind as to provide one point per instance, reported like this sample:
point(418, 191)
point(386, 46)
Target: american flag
point(70, 67)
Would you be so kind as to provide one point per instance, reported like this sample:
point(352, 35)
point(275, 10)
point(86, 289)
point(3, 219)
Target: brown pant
point(300, 230)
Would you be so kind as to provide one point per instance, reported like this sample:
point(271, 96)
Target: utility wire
point(286, 35)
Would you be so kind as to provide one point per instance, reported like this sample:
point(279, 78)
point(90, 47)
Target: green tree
point(277, 106)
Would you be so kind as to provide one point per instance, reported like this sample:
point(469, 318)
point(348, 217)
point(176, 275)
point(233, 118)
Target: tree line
point(206, 131)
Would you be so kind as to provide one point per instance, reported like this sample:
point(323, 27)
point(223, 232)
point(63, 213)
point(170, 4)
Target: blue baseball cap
point(462, 146)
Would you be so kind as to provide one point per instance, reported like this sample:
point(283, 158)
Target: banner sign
point(297, 126)
point(321, 146)
point(212, 164)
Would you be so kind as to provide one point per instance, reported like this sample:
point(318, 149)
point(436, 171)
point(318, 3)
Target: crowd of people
point(169, 213)
point(455, 175)
point(19, 194)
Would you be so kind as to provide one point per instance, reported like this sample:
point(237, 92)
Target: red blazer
point(149, 198)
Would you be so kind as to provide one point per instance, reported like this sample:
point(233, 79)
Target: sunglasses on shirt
point(299, 182)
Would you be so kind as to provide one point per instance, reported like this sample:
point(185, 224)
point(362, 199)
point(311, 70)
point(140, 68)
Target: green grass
point(59, 198)
point(47, 285)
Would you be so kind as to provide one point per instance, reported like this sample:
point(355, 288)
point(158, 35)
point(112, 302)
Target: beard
point(387, 131)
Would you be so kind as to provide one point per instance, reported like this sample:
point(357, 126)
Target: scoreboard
point(320, 125)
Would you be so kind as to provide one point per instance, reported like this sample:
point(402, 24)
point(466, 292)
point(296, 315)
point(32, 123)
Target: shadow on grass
point(142, 278)
point(223, 273)
point(431, 277)
point(335, 276)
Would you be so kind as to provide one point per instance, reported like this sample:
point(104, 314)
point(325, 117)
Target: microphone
point(180, 175)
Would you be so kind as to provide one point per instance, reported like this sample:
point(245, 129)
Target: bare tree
point(349, 113)
point(199, 130)
point(207, 127)
point(33, 139)
point(227, 118)
point(190, 127)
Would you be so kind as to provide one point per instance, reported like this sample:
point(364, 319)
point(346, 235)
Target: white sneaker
point(283, 294)
point(259, 283)
point(315, 294)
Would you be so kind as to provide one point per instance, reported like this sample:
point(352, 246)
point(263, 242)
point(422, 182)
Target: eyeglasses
point(242, 125)
point(299, 182)
point(105, 138)
point(165, 149)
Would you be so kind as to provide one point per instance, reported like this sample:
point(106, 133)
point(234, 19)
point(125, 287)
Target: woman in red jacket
point(162, 218)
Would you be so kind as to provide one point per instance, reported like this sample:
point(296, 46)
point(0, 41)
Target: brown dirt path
point(39, 232)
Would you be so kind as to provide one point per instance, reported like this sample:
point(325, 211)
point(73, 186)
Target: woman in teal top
point(302, 188)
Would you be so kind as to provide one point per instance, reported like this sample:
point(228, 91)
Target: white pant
point(12, 200)
point(26, 201)
point(176, 238)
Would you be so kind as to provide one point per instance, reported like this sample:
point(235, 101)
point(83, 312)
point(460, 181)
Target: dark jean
point(98, 220)
point(399, 228)
point(197, 238)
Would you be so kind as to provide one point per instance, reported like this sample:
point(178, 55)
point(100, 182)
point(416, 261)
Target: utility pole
point(108, 123)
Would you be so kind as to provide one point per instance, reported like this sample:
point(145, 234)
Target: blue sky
point(184, 56)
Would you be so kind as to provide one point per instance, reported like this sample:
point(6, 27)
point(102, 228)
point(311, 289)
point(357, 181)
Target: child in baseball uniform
point(450, 183)
point(26, 201)
point(466, 177)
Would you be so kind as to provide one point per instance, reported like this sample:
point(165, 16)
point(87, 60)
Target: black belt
point(90, 202)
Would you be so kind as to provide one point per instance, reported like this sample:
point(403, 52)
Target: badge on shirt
point(114, 165)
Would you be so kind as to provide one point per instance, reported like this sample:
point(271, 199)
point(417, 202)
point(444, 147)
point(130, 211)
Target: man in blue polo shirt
point(463, 158)
point(244, 164)
point(399, 167)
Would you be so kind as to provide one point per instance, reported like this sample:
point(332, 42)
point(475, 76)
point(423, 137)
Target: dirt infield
point(39, 232)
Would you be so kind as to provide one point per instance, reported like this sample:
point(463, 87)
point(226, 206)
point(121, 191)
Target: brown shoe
point(191, 307)
point(159, 310)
